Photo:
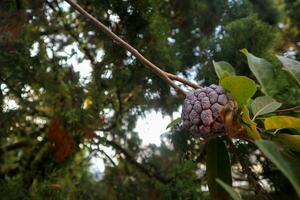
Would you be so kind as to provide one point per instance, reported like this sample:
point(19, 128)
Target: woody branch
point(167, 77)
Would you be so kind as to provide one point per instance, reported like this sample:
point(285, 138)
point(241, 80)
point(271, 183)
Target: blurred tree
point(290, 26)
point(52, 120)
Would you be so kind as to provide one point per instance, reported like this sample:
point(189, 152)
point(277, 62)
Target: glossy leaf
point(292, 66)
point(283, 161)
point(246, 116)
point(223, 69)
point(290, 141)
point(241, 87)
point(252, 131)
point(262, 70)
point(233, 194)
point(218, 166)
point(276, 122)
point(249, 125)
point(174, 122)
point(264, 105)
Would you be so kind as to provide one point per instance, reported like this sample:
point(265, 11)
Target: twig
point(107, 156)
point(152, 173)
point(167, 77)
point(94, 152)
point(288, 109)
point(184, 81)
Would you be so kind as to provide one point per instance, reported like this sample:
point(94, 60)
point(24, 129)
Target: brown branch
point(289, 109)
point(184, 81)
point(162, 74)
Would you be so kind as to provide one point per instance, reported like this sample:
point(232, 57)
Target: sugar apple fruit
point(203, 111)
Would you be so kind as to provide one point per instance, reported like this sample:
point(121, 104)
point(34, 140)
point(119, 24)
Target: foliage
point(53, 119)
point(286, 161)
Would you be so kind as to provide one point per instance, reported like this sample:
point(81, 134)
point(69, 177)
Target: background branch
point(150, 172)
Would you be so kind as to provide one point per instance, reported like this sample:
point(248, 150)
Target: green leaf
point(290, 141)
point(249, 125)
point(262, 70)
point(241, 87)
point(292, 66)
point(252, 131)
point(223, 69)
point(174, 122)
point(284, 162)
point(218, 166)
point(276, 122)
point(264, 105)
point(234, 195)
point(246, 116)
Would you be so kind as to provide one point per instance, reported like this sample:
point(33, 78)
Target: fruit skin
point(203, 111)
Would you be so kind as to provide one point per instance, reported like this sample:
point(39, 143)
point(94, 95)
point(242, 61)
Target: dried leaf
point(62, 142)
